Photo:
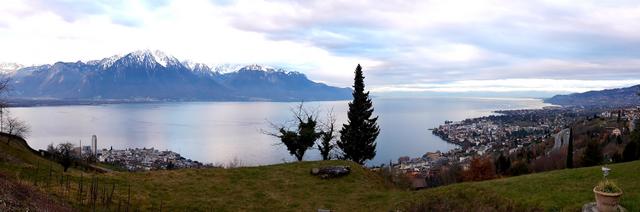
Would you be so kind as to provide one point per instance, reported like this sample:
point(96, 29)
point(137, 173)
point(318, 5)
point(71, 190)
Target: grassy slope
point(289, 187)
point(271, 188)
point(554, 190)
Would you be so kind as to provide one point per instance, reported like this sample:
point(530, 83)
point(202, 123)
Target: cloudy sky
point(404, 46)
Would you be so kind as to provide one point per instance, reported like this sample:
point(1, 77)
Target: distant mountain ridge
point(154, 75)
point(618, 97)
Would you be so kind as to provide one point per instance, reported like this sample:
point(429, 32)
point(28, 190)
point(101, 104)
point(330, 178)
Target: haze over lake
point(219, 132)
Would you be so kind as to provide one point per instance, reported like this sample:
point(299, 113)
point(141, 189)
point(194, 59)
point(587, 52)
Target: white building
point(94, 145)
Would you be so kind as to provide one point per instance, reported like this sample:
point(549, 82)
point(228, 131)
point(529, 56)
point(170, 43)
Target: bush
point(607, 186)
point(394, 178)
point(502, 165)
point(592, 154)
point(480, 169)
point(519, 168)
point(630, 152)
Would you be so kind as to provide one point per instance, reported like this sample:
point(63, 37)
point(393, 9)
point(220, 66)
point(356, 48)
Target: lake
point(220, 132)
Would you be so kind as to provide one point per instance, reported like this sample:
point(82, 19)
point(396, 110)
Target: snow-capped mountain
point(227, 68)
point(8, 68)
point(155, 75)
point(106, 62)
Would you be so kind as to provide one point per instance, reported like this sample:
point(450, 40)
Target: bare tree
point(64, 153)
point(327, 135)
point(17, 127)
point(14, 126)
point(4, 89)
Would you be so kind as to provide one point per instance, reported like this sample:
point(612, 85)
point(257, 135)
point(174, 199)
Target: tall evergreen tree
point(570, 150)
point(358, 136)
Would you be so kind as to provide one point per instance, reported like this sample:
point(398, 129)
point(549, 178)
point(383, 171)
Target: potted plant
point(607, 193)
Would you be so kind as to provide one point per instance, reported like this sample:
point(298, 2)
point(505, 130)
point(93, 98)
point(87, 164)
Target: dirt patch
point(15, 196)
point(8, 158)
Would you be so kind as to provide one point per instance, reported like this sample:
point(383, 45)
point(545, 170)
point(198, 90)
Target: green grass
point(281, 187)
point(290, 187)
point(565, 190)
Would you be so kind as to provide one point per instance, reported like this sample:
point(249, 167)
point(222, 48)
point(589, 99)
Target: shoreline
point(420, 142)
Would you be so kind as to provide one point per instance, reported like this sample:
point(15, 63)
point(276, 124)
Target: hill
point(155, 76)
point(290, 187)
point(619, 97)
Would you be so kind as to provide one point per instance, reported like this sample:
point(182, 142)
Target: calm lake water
point(219, 132)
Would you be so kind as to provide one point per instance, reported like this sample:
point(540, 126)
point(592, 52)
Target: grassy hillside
point(290, 187)
point(555, 190)
point(284, 187)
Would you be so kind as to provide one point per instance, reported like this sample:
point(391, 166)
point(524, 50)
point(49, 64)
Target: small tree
point(630, 152)
point(4, 89)
point(65, 155)
point(480, 169)
point(519, 168)
point(327, 135)
point(358, 136)
point(592, 154)
point(17, 127)
point(570, 150)
point(14, 126)
point(619, 139)
point(304, 137)
point(502, 164)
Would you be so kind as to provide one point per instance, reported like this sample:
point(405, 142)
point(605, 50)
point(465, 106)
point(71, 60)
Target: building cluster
point(418, 169)
point(630, 115)
point(422, 164)
point(146, 159)
point(509, 132)
point(87, 151)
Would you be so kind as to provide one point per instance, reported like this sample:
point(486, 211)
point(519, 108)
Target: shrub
point(630, 152)
point(607, 186)
point(592, 154)
point(519, 168)
point(480, 169)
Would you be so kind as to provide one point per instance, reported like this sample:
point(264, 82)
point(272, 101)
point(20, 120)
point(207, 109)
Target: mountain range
point(619, 97)
point(155, 76)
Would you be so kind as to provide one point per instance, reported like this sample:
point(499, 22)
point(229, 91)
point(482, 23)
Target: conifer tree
point(358, 136)
point(570, 150)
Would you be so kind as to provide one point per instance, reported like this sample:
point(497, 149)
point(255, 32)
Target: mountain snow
point(141, 75)
point(9, 68)
point(164, 59)
point(227, 68)
point(156, 55)
point(106, 62)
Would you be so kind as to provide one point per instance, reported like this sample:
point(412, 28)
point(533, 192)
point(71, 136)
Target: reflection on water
point(222, 131)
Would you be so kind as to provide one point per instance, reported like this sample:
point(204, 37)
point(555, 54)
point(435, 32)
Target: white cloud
point(399, 42)
point(194, 30)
